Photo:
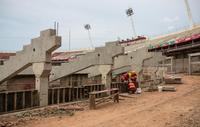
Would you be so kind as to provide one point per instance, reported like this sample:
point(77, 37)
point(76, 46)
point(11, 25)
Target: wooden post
point(93, 87)
point(2, 102)
point(90, 89)
point(97, 89)
point(72, 94)
point(92, 101)
point(120, 87)
point(31, 98)
point(69, 93)
point(189, 64)
point(102, 87)
point(15, 101)
point(171, 64)
point(70, 80)
point(183, 64)
point(23, 100)
point(58, 96)
point(116, 97)
point(81, 93)
point(52, 96)
point(77, 93)
point(6, 101)
point(63, 95)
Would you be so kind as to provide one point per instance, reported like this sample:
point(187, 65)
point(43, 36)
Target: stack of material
point(166, 88)
point(172, 79)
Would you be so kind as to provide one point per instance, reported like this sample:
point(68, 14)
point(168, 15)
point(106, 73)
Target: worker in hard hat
point(131, 78)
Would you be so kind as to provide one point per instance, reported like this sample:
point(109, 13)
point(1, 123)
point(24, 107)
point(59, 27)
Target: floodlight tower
point(88, 27)
point(129, 13)
point(69, 39)
point(189, 13)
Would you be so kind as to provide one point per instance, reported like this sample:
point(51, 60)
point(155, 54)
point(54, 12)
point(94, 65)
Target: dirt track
point(166, 109)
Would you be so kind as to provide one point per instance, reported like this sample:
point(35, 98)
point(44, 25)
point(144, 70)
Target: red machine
point(131, 78)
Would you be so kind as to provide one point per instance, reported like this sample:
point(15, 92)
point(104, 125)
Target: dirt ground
point(149, 109)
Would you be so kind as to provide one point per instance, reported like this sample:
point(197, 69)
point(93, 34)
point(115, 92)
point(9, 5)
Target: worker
point(131, 78)
point(132, 87)
point(124, 77)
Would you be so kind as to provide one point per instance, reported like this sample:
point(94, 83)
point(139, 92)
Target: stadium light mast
point(130, 13)
point(88, 27)
point(69, 39)
point(189, 13)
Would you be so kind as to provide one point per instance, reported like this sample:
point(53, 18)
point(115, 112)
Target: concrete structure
point(101, 64)
point(138, 59)
point(175, 35)
point(193, 63)
point(100, 56)
point(38, 54)
point(168, 62)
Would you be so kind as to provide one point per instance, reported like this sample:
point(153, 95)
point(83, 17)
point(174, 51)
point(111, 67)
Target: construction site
point(138, 82)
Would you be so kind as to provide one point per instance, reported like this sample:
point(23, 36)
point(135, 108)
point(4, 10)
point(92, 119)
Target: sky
point(22, 20)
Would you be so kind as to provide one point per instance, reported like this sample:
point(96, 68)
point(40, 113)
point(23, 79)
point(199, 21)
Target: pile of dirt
point(46, 112)
point(22, 117)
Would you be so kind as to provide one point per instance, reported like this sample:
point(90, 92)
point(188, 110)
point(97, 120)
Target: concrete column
point(42, 71)
point(42, 87)
point(106, 77)
point(63, 95)
point(15, 101)
point(189, 64)
point(6, 102)
point(172, 64)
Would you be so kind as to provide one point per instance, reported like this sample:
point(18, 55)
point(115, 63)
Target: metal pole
point(54, 25)
point(189, 64)
point(69, 39)
point(133, 27)
point(189, 13)
point(57, 28)
point(90, 38)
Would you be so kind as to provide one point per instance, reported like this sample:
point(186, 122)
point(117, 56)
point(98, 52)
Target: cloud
point(170, 19)
point(25, 18)
point(170, 28)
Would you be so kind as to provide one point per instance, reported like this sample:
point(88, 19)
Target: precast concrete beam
point(39, 50)
point(100, 56)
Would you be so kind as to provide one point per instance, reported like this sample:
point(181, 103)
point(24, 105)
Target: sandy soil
point(150, 109)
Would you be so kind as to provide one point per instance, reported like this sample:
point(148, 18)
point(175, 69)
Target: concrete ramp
point(39, 50)
point(100, 56)
point(142, 55)
point(134, 61)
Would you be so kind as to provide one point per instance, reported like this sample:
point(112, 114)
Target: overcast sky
point(21, 20)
